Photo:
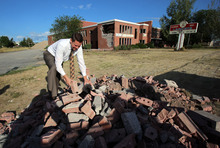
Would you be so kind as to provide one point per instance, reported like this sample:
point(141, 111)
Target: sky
point(33, 18)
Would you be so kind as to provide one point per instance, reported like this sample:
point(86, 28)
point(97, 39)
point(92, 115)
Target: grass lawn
point(196, 70)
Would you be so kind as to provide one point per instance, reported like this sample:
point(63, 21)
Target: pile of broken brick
point(113, 112)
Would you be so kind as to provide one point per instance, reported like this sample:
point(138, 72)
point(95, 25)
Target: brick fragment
point(128, 141)
point(144, 101)
point(113, 116)
point(50, 137)
point(100, 142)
point(95, 131)
point(70, 98)
point(79, 125)
point(75, 117)
point(105, 124)
point(131, 124)
point(97, 104)
point(50, 122)
point(207, 108)
point(190, 125)
point(72, 107)
point(8, 117)
point(150, 133)
point(171, 114)
point(124, 82)
point(86, 109)
point(162, 116)
point(119, 106)
point(115, 135)
point(74, 87)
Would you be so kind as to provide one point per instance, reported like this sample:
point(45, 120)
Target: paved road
point(21, 59)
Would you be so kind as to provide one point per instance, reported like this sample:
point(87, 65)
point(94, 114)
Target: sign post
point(181, 29)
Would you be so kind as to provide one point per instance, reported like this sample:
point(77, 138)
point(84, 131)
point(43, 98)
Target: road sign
point(179, 28)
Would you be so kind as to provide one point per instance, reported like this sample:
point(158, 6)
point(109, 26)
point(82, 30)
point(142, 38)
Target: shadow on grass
point(3, 90)
point(199, 85)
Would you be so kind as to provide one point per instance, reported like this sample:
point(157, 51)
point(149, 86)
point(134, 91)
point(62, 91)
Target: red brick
point(74, 87)
point(124, 82)
point(105, 124)
point(86, 109)
point(50, 122)
point(144, 101)
point(119, 106)
point(171, 114)
point(190, 125)
point(114, 116)
point(162, 116)
point(128, 142)
point(95, 131)
point(207, 108)
point(50, 137)
point(100, 142)
point(79, 125)
point(71, 98)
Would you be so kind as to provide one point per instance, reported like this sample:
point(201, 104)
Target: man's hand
point(86, 81)
point(67, 80)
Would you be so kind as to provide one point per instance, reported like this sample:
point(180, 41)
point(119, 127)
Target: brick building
point(112, 33)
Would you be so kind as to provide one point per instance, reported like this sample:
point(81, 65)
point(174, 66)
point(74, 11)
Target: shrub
point(123, 47)
point(141, 45)
point(151, 45)
point(197, 45)
point(87, 46)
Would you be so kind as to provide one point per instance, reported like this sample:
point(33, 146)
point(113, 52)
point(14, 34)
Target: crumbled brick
point(128, 141)
point(50, 137)
point(86, 109)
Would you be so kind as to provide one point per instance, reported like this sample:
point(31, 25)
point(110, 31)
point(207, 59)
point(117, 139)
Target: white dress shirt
point(61, 51)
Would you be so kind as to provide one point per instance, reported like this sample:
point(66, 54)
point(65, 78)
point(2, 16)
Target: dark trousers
point(53, 77)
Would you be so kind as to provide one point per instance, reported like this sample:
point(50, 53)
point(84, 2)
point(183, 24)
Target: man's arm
point(82, 65)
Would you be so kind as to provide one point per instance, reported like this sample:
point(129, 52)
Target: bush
point(134, 46)
point(151, 45)
point(141, 45)
point(123, 47)
point(87, 46)
point(197, 45)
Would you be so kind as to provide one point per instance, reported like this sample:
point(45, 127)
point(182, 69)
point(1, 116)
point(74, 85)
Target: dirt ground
point(198, 71)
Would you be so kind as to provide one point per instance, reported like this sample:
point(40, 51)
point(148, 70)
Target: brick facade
point(112, 33)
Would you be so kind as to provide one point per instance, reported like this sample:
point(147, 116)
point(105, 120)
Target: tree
point(65, 26)
point(177, 11)
point(5, 42)
point(27, 42)
point(23, 43)
point(209, 25)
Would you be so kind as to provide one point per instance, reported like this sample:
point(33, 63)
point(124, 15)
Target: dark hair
point(77, 36)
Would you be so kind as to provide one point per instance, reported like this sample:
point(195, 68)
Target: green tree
point(209, 25)
point(5, 42)
point(177, 11)
point(23, 43)
point(29, 42)
point(65, 26)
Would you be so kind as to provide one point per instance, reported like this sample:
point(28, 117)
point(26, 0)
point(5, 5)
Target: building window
point(120, 29)
point(142, 41)
point(122, 41)
point(143, 31)
point(119, 41)
point(131, 30)
point(135, 34)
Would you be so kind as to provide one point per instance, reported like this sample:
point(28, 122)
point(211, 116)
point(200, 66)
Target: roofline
point(116, 20)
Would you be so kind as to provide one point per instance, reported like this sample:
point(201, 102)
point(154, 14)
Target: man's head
point(76, 41)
